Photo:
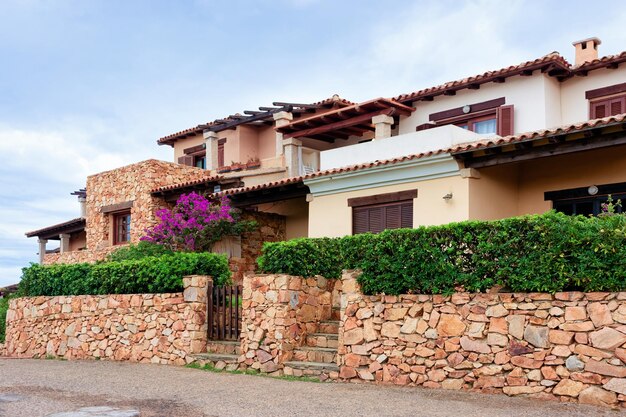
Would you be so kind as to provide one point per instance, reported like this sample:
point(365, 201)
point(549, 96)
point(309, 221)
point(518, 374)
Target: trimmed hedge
point(138, 251)
point(161, 274)
point(539, 253)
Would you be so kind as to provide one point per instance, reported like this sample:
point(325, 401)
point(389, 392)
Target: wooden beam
point(474, 86)
point(338, 125)
point(499, 80)
point(449, 93)
point(269, 195)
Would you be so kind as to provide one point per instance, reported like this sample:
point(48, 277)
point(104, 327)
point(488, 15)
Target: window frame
point(117, 216)
point(472, 120)
point(575, 196)
point(384, 201)
point(607, 101)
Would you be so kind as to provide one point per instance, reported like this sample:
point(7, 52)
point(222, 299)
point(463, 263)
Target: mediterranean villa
point(544, 134)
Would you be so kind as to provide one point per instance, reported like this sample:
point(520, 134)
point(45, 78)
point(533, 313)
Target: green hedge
point(137, 251)
point(147, 275)
point(545, 253)
point(4, 306)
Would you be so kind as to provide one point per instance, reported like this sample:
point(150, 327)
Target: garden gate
point(224, 312)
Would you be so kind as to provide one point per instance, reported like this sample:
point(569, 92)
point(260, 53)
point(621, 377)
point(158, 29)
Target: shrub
point(138, 251)
point(545, 253)
point(4, 306)
point(147, 275)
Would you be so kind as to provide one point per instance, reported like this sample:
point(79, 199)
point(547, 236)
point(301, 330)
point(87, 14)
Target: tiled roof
point(605, 61)
point(70, 224)
point(187, 184)
point(252, 116)
point(553, 59)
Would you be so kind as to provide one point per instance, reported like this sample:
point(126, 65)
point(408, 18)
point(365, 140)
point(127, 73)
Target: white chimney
point(586, 50)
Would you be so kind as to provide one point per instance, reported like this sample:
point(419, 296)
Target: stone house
point(541, 135)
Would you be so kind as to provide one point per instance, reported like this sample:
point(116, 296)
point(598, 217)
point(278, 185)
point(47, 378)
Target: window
point(121, 228)
point(606, 101)
point(488, 117)
point(579, 201)
point(384, 211)
point(199, 161)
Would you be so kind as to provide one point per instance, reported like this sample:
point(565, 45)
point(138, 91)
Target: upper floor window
point(199, 161)
point(121, 228)
point(607, 101)
point(383, 211)
point(488, 117)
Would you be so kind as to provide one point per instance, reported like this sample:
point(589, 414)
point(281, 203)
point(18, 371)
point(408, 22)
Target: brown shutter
point(393, 217)
point(186, 160)
point(407, 215)
point(360, 223)
point(505, 118)
point(599, 109)
point(617, 106)
point(376, 219)
point(220, 155)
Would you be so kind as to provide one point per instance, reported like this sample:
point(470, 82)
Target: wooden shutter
point(617, 106)
point(608, 107)
point(599, 109)
point(505, 120)
point(220, 155)
point(377, 218)
point(186, 160)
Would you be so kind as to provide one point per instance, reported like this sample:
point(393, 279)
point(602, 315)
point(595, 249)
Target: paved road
point(34, 388)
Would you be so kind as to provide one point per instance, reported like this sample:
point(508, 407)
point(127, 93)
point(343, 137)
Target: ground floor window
point(383, 211)
point(121, 228)
point(587, 201)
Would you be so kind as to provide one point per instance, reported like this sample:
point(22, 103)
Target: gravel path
point(34, 388)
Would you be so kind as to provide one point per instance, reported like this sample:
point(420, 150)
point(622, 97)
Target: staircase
point(221, 354)
point(318, 357)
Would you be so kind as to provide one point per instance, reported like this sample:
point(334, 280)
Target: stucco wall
point(330, 216)
point(182, 144)
point(575, 107)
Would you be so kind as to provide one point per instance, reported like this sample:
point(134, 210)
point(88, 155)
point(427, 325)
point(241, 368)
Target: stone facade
point(153, 328)
point(566, 347)
point(271, 228)
point(125, 185)
point(278, 313)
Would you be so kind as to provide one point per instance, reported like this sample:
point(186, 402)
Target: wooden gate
point(224, 315)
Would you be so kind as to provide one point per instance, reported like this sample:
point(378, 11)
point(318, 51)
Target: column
point(293, 156)
point(281, 118)
point(211, 149)
point(42, 249)
point(65, 242)
point(382, 123)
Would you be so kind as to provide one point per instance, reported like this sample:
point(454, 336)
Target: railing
point(224, 312)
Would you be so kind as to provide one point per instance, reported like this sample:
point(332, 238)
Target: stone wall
point(156, 328)
point(278, 312)
point(78, 256)
point(567, 347)
point(272, 228)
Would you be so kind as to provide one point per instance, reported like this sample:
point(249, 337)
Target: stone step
point(311, 366)
point(229, 347)
point(323, 340)
point(315, 354)
point(329, 326)
point(216, 357)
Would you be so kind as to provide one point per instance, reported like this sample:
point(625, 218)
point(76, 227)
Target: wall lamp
point(448, 197)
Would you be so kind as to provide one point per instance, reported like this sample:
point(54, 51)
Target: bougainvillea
point(196, 223)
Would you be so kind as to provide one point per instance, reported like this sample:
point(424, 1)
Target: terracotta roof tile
point(553, 58)
point(199, 181)
point(601, 62)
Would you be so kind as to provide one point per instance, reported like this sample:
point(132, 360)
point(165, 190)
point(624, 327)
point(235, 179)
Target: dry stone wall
point(278, 312)
point(567, 347)
point(155, 328)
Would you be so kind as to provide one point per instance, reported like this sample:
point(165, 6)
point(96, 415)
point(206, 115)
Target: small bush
point(161, 274)
point(539, 253)
point(138, 251)
point(4, 306)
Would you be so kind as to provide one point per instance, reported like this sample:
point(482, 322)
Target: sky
point(87, 86)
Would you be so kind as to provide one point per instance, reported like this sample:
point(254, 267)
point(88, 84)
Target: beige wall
point(78, 241)
point(330, 216)
point(296, 212)
point(518, 189)
point(182, 144)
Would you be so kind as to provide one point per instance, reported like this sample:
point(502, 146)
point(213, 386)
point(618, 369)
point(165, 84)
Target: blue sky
point(87, 86)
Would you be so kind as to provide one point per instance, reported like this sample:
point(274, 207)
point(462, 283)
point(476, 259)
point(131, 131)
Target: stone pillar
point(65, 242)
point(42, 249)
point(211, 149)
point(382, 123)
point(293, 156)
point(281, 118)
point(195, 292)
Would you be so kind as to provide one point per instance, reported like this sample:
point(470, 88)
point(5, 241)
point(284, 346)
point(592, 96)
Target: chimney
point(586, 50)
point(82, 201)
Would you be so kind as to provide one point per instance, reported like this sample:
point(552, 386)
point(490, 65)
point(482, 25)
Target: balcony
point(397, 146)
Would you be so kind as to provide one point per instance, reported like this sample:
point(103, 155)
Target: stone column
point(82, 200)
point(382, 123)
point(211, 149)
point(281, 118)
point(42, 249)
point(195, 289)
point(65, 242)
point(293, 156)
